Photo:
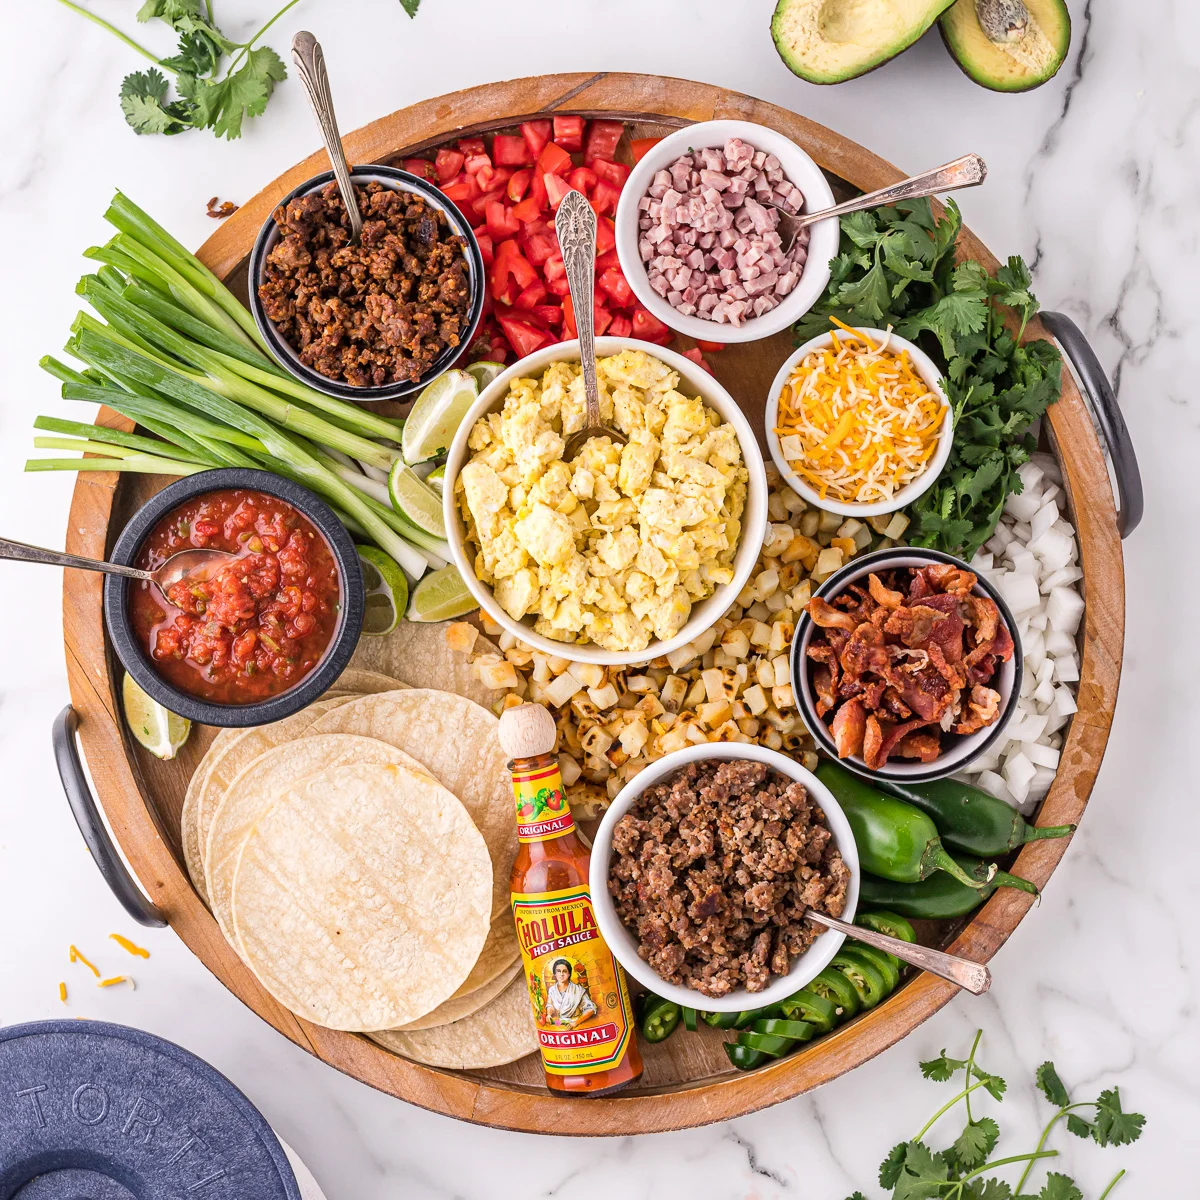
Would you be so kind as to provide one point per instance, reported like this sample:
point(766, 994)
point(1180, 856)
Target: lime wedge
point(411, 498)
point(436, 415)
point(441, 596)
point(160, 731)
point(484, 372)
point(387, 590)
point(436, 480)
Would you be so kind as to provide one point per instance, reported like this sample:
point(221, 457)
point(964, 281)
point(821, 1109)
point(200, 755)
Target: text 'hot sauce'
point(580, 1000)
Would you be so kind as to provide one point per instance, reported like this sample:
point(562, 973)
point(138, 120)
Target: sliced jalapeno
point(659, 1019)
point(884, 963)
point(721, 1020)
point(833, 986)
point(748, 1016)
point(689, 1019)
point(796, 1031)
point(890, 923)
point(864, 976)
point(817, 1011)
point(775, 1047)
point(744, 1058)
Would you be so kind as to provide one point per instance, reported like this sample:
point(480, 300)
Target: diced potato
point(800, 596)
point(736, 644)
point(640, 684)
point(489, 626)
point(603, 697)
point(541, 668)
point(591, 675)
point(558, 665)
point(862, 539)
point(634, 736)
point(776, 603)
point(758, 611)
point(793, 501)
point(828, 522)
point(704, 641)
point(781, 696)
point(764, 672)
point(849, 527)
point(766, 583)
point(880, 523)
point(828, 561)
point(596, 742)
point(569, 768)
point(460, 636)
point(896, 526)
point(507, 640)
point(776, 509)
point(695, 734)
point(519, 657)
point(674, 689)
point(760, 635)
point(720, 659)
point(673, 740)
point(781, 637)
point(715, 713)
point(683, 656)
point(749, 726)
point(809, 522)
point(495, 672)
point(713, 684)
point(779, 537)
point(846, 545)
point(697, 693)
point(755, 699)
point(583, 708)
point(773, 739)
point(649, 706)
point(512, 700)
point(560, 690)
point(782, 668)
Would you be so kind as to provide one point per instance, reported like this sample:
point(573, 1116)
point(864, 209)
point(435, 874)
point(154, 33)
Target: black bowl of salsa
point(263, 636)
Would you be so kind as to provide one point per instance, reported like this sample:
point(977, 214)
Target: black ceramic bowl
point(287, 358)
point(957, 750)
point(274, 708)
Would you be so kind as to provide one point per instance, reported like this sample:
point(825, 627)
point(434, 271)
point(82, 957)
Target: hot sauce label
point(542, 809)
point(580, 1001)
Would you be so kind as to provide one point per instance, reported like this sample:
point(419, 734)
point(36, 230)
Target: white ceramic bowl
point(799, 169)
point(957, 750)
point(624, 945)
point(932, 377)
point(696, 381)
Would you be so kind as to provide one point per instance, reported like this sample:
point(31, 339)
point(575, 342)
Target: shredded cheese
point(62, 992)
point(77, 957)
point(856, 421)
point(105, 983)
point(126, 944)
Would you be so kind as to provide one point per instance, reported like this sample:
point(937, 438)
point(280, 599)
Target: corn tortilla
point(361, 898)
point(463, 1005)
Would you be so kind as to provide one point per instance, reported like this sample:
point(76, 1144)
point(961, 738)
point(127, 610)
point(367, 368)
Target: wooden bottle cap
point(526, 730)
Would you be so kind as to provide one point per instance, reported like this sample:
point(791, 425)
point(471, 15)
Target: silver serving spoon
point(310, 66)
point(965, 172)
point(575, 224)
point(196, 565)
point(972, 976)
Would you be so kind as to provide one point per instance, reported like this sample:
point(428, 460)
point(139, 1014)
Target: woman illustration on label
point(567, 1003)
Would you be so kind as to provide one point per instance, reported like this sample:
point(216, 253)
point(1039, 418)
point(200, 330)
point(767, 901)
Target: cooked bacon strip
point(923, 746)
point(828, 617)
point(849, 727)
point(982, 709)
point(884, 595)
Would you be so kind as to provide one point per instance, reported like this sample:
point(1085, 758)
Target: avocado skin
point(978, 73)
point(935, 10)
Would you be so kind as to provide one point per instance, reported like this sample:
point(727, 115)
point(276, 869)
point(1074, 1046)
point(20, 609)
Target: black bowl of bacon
point(905, 664)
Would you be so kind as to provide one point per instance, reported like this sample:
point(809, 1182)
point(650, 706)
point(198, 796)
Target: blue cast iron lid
point(92, 1111)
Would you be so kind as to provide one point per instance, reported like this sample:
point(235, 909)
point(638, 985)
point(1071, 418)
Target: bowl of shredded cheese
point(858, 423)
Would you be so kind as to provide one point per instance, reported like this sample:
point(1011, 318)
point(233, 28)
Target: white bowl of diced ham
point(697, 239)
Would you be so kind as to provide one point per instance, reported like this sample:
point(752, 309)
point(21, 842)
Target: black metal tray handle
point(1103, 403)
point(87, 817)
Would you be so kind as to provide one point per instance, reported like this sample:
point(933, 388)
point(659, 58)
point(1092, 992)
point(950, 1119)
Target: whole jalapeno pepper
point(659, 1019)
point(895, 840)
point(970, 819)
point(940, 897)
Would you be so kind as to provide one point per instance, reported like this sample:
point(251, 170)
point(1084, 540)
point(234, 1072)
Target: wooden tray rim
point(135, 824)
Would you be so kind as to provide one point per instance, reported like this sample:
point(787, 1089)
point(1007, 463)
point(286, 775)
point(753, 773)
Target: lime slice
point(484, 372)
point(436, 415)
point(435, 479)
point(441, 596)
point(160, 731)
point(411, 498)
point(387, 590)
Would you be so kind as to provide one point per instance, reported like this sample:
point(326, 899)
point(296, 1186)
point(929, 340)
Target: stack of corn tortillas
point(357, 857)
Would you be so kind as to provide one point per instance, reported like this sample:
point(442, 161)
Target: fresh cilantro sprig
point(965, 1169)
point(897, 266)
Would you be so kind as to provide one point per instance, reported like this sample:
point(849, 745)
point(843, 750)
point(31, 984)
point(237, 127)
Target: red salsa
point(257, 626)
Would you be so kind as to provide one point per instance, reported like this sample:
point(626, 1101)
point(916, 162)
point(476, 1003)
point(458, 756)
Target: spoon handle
point(310, 66)
point(22, 552)
point(968, 171)
point(972, 976)
point(575, 224)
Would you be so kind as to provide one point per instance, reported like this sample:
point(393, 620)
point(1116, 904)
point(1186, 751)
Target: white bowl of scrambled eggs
point(628, 552)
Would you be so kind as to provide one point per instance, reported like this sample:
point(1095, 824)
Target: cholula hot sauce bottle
point(580, 1000)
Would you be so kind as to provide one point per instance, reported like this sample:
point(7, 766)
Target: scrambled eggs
point(614, 547)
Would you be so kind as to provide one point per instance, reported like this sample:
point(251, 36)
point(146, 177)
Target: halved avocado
point(1008, 45)
point(828, 41)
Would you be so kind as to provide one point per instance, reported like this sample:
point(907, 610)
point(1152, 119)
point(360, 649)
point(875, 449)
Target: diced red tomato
point(528, 210)
point(536, 135)
point(559, 286)
point(486, 247)
point(569, 327)
point(648, 327)
point(474, 163)
point(524, 336)
point(510, 151)
point(697, 357)
point(603, 319)
point(606, 261)
point(616, 286)
point(540, 245)
point(711, 347)
point(511, 272)
point(602, 140)
point(462, 190)
point(537, 190)
point(614, 172)
point(642, 146)
point(518, 184)
point(471, 145)
point(422, 168)
point(554, 267)
point(480, 203)
point(606, 235)
point(549, 314)
point(448, 164)
point(556, 189)
point(582, 179)
point(605, 197)
point(501, 223)
point(621, 326)
point(486, 177)
point(568, 133)
point(532, 296)
point(553, 160)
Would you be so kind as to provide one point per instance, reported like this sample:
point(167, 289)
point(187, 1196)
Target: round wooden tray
point(688, 1081)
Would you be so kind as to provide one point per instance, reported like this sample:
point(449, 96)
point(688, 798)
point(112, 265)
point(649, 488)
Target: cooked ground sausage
point(377, 313)
point(713, 869)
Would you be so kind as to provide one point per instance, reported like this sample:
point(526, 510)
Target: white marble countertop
point(1092, 178)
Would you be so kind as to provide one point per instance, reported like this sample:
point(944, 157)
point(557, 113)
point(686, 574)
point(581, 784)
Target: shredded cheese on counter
point(62, 992)
point(126, 944)
point(856, 421)
point(77, 957)
point(107, 983)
